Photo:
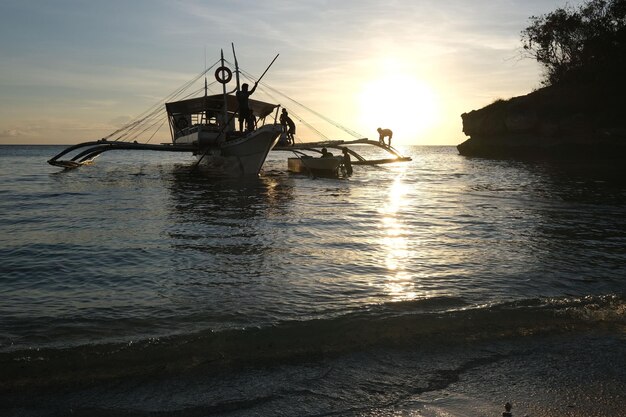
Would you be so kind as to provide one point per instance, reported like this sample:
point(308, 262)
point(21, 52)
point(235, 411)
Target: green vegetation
point(585, 44)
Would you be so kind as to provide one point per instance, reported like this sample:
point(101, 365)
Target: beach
point(564, 375)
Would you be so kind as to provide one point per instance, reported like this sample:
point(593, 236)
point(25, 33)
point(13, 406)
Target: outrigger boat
point(204, 126)
point(343, 144)
point(321, 167)
point(333, 166)
point(220, 150)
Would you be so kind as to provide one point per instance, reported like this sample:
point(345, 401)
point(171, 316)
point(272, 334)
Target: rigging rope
point(144, 130)
point(321, 116)
point(155, 132)
point(297, 117)
point(154, 110)
point(146, 120)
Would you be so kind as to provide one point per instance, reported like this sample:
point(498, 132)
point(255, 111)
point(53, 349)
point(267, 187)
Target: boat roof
point(215, 103)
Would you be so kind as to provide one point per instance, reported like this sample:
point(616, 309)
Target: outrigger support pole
point(95, 148)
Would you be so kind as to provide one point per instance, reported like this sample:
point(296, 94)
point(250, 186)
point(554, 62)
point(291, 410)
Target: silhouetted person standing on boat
point(251, 121)
point(384, 133)
point(288, 126)
point(244, 109)
point(346, 162)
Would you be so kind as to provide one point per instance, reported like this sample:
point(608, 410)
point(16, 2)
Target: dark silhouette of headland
point(581, 109)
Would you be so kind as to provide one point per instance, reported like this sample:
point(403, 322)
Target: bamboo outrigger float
point(95, 148)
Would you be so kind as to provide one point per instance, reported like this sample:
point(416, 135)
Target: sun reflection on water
point(398, 284)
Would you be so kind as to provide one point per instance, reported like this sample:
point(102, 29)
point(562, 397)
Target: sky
point(76, 70)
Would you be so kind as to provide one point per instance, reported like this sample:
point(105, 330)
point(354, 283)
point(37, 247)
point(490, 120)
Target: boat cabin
point(204, 121)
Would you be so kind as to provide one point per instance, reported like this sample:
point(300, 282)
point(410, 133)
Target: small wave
point(433, 303)
point(403, 325)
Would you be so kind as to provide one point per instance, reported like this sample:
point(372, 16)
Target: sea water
point(135, 285)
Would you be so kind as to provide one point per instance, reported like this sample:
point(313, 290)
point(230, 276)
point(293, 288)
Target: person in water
point(346, 162)
point(288, 126)
point(384, 133)
point(244, 109)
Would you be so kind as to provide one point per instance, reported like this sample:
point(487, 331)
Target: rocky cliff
point(550, 122)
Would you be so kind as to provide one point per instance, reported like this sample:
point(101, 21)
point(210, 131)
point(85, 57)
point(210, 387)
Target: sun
point(406, 105)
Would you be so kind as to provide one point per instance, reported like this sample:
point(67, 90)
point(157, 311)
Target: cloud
point(54, 131)
point(93, 63)
point(12, 133)
point(120, 120)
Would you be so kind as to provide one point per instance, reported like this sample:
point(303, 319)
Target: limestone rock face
point(552, 121)
point(520, 121)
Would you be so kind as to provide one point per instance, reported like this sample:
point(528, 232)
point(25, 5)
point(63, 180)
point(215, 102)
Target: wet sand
point(574, 376)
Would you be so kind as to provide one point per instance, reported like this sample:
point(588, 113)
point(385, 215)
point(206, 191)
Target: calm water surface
point(137, 245)
point(137, 248)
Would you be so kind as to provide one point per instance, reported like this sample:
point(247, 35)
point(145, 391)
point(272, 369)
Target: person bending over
point(384, 133)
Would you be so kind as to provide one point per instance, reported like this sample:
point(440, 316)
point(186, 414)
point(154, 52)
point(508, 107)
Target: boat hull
point(240, 156)
point(326, 167)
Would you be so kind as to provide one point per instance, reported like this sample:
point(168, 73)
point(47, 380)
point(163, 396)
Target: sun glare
point(399, 283)
point(402, 103)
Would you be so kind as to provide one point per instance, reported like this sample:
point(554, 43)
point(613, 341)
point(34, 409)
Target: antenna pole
point(236, 66)
point(267, 69)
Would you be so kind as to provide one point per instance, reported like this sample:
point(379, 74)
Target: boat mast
point(205, 71)
point(224, 91)
point(206, 106)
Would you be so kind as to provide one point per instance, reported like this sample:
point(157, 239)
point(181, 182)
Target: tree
point(579, 44)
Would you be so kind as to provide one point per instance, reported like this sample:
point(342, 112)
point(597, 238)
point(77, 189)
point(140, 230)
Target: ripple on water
point(146, 243)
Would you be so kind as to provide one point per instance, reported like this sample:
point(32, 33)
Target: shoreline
point(572, 374)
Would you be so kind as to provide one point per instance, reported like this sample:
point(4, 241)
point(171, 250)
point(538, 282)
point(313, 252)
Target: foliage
point(587, 43)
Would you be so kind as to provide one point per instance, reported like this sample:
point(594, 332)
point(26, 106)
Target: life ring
point(223, 75)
